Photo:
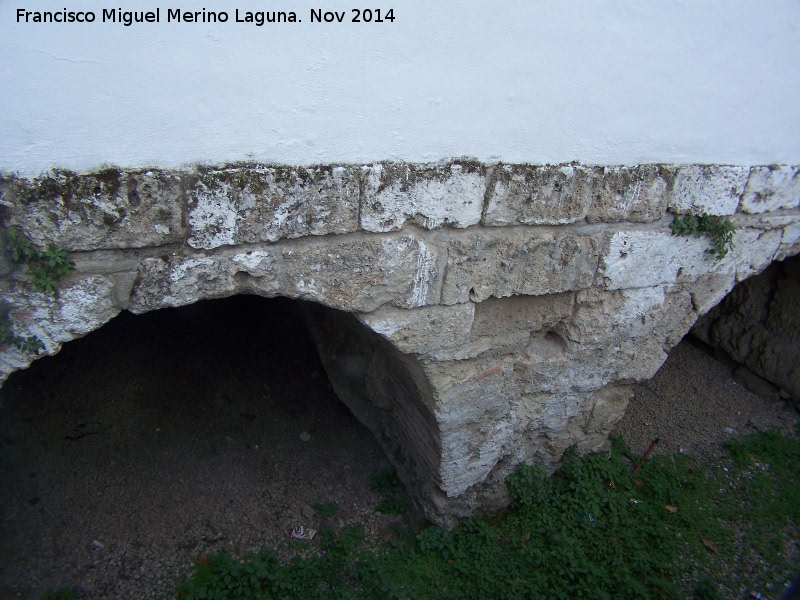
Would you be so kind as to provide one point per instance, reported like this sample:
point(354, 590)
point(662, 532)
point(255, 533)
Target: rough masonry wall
point(758, 326)
point(523, 300)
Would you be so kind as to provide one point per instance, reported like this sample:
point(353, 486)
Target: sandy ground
point(163, 437)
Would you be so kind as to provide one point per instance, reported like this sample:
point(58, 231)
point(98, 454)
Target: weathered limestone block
point(771, 188)
point(266, 204)
point(790, 242)
point(107, 209)
point(713, 189)
point(364, 273)
point(504, 262)
point(646, 258)
point(557, 195)
point(441, 332)
point(429, 196)
point(637, 194)
point(83, 306)
point(359, 274)
point(474, 400)
point(538, 195)
point(504, 326)
point(587, 422)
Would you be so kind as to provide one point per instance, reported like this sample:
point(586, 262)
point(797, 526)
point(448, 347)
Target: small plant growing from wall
point(720, 231)
point(46, 267)
point(8, 337)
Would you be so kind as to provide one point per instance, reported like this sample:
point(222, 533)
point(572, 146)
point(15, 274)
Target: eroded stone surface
point(266, 204)
point(497, 313)
point(637, 194)
point(713, 189)
point(430, 197)
point(505, 262)
point(359, 274)
point(108, 209)
point(771, 188)
point(536, 195)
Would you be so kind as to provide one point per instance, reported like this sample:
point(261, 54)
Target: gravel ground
point(163, 437)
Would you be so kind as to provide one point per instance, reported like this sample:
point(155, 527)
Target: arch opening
point(174, 433)
point(733, 374)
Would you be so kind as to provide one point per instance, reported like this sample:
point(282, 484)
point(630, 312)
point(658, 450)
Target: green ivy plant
point(8, 337)
point(45, 267)
point(719, 230)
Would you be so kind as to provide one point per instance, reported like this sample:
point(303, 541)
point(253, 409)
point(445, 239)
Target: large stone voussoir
point(428, 196)
point(505, 262)
point(359, 274)
point(647, 258)
point(365, 272)
point(266, 204)
point(441, 332)
point(83, 306)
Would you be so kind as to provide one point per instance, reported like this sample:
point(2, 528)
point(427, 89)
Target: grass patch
point(591, 530)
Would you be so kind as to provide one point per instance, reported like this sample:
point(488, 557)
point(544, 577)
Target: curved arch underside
point(485, 314)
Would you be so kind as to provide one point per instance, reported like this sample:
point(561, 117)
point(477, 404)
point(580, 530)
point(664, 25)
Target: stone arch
point(519, 300)
point(383, 387)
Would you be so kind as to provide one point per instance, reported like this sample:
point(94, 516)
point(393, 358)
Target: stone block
point(504, 262)
point(364, 273)
point(713, 189)
point(505, 325)
point(636, 194)
point(172, 280)
point(538, 195)
point(639, 258)
point(84, 305)
point(771, 188)
point(790, 242)
point(428, 196)
point(441, 332)
point(266, 204)
point(108, 209)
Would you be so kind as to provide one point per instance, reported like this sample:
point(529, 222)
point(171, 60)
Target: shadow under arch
point(211, 399)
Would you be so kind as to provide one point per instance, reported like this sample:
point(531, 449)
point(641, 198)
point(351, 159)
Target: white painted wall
point(601, 82)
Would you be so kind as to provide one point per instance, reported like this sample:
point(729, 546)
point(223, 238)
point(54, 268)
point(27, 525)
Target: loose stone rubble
point(473, 316)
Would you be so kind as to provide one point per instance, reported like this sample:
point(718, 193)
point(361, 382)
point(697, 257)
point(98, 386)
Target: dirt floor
point(188, 431)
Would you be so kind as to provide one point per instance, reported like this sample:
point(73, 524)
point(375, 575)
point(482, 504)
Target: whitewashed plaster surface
point(613, 82)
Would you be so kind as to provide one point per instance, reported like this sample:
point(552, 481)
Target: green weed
point(326, 511)
point(386, 483)
point(8, 337)
point(44, 267)
point(60, 595)
point(719, 230)
point(591, 530)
